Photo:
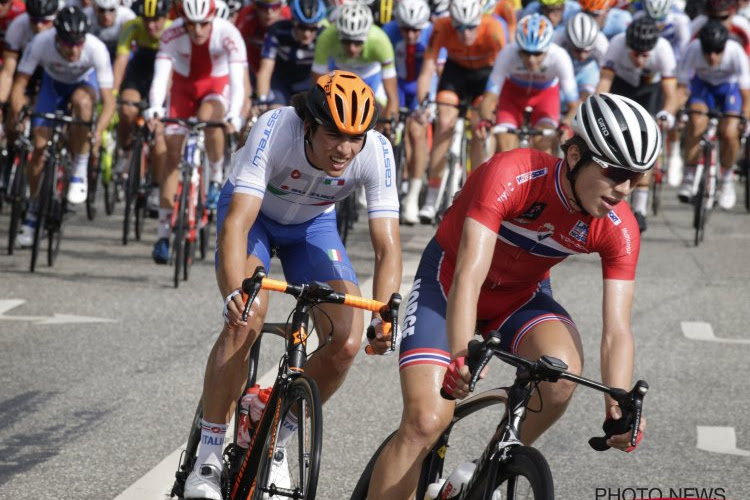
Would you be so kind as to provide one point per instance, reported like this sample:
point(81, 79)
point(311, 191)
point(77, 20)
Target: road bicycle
point(100, 171)
point(52, 201)
point(526, 131)
point(137, 183)
point(507, 467)
point(660, 168)
point(293, 393)
point(17, 191)
point(190, 218)
point(706, 173)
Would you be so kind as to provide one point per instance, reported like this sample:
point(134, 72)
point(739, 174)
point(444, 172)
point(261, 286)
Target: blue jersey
point(408, 59)
point(570, 9)
point(293, 60)
point(617, 22)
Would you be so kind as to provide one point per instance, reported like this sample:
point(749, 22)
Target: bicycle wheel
point(57, 211)
point(179, 229)
point(45, 199)
point(17, 198)
point(524, 476)
point(302, 451)
point(699, 212)
point(132, 185)
point(363, 484)
point(94, 170)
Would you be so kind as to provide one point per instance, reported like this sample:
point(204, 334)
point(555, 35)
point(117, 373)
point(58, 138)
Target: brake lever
point(251, 287)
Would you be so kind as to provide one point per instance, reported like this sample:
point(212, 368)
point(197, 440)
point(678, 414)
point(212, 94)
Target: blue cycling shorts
point(725, 97)
point(425, 340)
point(311, 251)
point(54, 95)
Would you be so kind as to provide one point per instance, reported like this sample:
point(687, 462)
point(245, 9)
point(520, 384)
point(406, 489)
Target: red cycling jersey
point(254, 34)
point(15, 9)
point(519, 195)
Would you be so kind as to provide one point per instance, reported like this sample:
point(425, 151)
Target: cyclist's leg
point(416, 144)
point(546, 114)
point(441, 141)
point(729, 143)
point(700, 100)
point(476, 84)
point(213, 108)
point(82, 103)
point(424, 357)
point(313, 252)
point(542, 327)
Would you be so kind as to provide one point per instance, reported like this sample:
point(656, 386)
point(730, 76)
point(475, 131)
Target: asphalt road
point(90, 406)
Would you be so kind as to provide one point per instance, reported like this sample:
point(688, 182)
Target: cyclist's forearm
point(6, 75)
point(617, 345)
point(108, 110)
point(487, 106)
point(118, 69)
point(391, 91)
point(386, 244)
point(263, 78)
point(232, 242)
point(745, 102)
point(17, 92)
point(425, 78)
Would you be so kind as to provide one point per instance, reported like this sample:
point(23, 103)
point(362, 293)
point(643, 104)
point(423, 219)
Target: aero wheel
point(524, 476)
point(290, 462)
point(180, 230)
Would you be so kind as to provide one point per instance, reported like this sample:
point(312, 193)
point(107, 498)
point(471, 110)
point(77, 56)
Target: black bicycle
point(17, 187)
point(294, 396)
point(137, 183)
point(53, 203)
point(506, 465)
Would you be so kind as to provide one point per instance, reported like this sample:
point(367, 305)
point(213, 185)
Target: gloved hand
point(666, 116)
point(380, 342)
point(452, 377)
point(153, 112)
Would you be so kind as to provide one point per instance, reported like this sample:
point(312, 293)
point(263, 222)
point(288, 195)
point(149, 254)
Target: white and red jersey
point(739, 29)
point(733, 67)
point(223, 55)
point(42, 51)
point(519, 195)
point(556, 69)
point(660, 65)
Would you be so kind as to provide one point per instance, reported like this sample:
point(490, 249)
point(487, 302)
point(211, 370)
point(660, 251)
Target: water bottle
point(433, 490)
point(244, 425)
point(456, 482)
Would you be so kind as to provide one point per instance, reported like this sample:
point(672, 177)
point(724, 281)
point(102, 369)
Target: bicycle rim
point(302, 450)
point(525, 476)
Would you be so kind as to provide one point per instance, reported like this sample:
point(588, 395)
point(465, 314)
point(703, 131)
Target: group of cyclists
point(318, 87)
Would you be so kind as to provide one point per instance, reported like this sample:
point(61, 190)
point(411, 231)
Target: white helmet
point(440, 7)
point(618, 131)
point(466, 12)
point(657, 9)
point(354, 21)
point(107, 4)
point(582, 30)
point(413, 14)
point(222, 9)
point(198, 10)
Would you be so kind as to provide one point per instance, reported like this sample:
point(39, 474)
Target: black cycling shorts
point(140, 72)
point(468, 84)
point(650, 96)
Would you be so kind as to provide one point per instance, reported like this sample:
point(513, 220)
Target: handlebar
point(544, 132)
point(317, 293)
point(193, 123)
point(59, 117)
point(141, 105)
point(550, 369)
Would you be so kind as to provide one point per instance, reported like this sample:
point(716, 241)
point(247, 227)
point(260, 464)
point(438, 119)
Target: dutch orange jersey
point(480, 54)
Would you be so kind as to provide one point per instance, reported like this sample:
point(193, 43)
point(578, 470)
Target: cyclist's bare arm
point(606, 77)
point(487, 106)
point(17, 93)
point(425, 77)
point(671, 97)
point(10, 62)
point(232, 247)
point(108, 110)
point(118, 69)
point(263, 77)
point(745, 102)
point(572, 108)
point(386, 243)
point(391, 91)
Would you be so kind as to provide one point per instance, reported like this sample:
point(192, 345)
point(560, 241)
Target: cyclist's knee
point(423, 424)
point(340, 353)
point(555, 396)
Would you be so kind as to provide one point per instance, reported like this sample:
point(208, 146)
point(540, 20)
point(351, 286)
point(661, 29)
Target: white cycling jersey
point(225, 54)
point(42, 51)
point(19, 34)
point(740, 26)
point(660, 65)
point(109, 34)
point(675, 27)
point(601, 44)
point(733, 68)
point(273, 166)
point(556, 68)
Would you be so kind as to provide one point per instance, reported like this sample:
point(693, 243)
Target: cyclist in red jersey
point(253, 22)
point(724, 11)
point(518, 215)
point(9, 10)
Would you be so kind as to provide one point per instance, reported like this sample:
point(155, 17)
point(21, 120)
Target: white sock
point(216, 171)
point(415, 186)
point(288, 428)
point(674, 149)
point(165, 220)
point(212, 445)
point(640, 200)
point(80, 166)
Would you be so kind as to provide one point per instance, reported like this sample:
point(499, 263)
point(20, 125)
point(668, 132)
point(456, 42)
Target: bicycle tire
point(57, 212)
point(746, 176)
point(204, 236)
point(45, 198)
point(93, 171)
point(302, 394)
point(179, 227)
point(345, 216)
point(132, 184)
point(527, 463)
point(17, 198)
point(699, 213)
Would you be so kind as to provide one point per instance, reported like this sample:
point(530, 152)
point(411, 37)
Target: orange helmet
point(595, 5)
point(342, 101)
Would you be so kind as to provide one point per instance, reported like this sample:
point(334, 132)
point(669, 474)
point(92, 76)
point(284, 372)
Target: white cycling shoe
point(279, 474)
point(78, 190)
point(427, 214)
point(204, 483)
point(727, 194)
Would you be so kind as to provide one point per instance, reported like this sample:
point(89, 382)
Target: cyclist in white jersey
point(207, 61)
point(39, 16)
point(717, 72)
point(531, 72)
point(641, 65)
point(77, 71)
point(297, 162)
point(107, 17)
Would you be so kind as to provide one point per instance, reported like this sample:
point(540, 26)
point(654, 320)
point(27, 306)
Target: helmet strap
point(572, 175)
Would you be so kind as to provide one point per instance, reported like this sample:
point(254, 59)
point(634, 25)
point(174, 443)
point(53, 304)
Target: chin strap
point(572, 175)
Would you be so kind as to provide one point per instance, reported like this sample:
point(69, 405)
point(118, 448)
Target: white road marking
point(719, 440)
point(699, 330)
point(156, 484)
point(56, 319)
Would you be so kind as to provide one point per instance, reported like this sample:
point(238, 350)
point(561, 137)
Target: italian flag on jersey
point(334, 255)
